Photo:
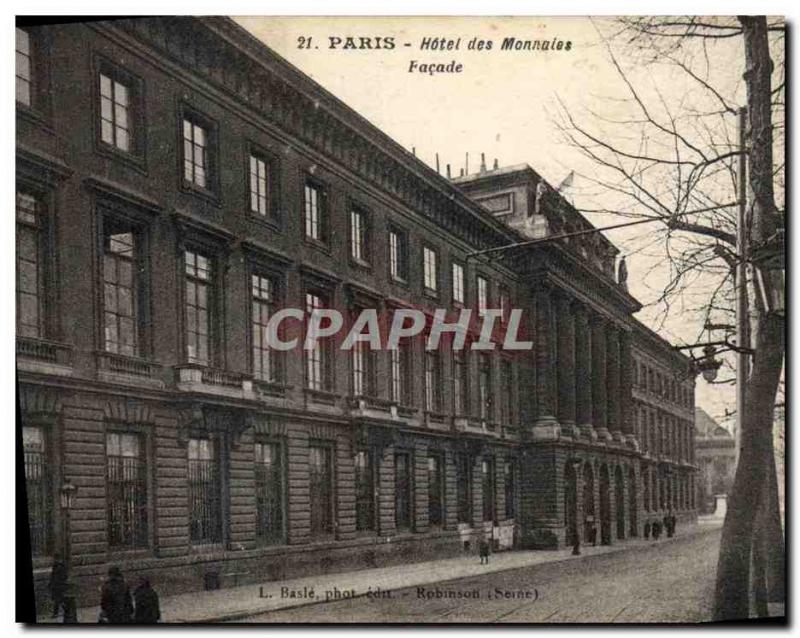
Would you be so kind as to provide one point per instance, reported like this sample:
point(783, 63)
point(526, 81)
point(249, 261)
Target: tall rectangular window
point(399, 369)
point(269, 491)
point(398, 254)
point(24, 67)
point(126, 487)
point(483, 295)
point(120, 325)
point(487, 473)
point(505, 305)
point(433, 381)
point(38, 476)
point(199, 302)
point(262, 305)
point(365, 491)
point(358, 234)
point(458, 283)
point(195, 153)
point(115, 116)
point(510, 488)
point(312, 199)
point(317, 372)
point(402, 491)
point(320, 467)
point(430, 269)
point(205, 520)
point(259, 185)
point(435, 491)
point(363, 368)
point(30, 280)
point(464, 488)
point(460, 382)
point(485, 385)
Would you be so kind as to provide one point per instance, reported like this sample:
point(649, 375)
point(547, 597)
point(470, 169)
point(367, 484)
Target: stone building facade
point(177, 184)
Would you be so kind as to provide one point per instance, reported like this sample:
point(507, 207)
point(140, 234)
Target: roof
point(705, 426)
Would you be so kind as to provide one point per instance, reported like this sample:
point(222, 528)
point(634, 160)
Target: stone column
point(599, 391)
point(626, 389)
point(612, 382)
point(546, 426)
point(565, 367)
point(583, 373)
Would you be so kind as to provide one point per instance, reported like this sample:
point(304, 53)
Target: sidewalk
point(238, 603)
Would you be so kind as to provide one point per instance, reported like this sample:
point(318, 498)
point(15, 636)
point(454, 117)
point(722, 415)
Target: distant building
point(716, 457)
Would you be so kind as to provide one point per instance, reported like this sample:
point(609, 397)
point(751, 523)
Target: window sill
point(49, 352)
point(271, 222)
point(134, 160)
point(430, 293)
point(209, 195)
point(126, 366)
point(317, 244)
point(360, 263)
point(271, 389)
point(128, 553)
point(399, 281)
point(34, 116)
point(324, 397)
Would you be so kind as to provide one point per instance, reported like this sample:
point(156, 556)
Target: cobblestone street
point(669, 582)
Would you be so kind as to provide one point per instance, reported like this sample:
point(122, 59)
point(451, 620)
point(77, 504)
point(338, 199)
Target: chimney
point(496, 164)
point(437, 164)
point(483, 162)
point(461, 174)
point(448, 171)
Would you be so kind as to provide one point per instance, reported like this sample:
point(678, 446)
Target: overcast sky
point(502, 104)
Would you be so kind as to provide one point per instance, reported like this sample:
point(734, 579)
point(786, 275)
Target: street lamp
point(709, 365)
point(67, 494)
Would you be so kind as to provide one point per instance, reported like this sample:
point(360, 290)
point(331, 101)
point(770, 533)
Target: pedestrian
point(576, 543)
point(115, 599)
point(593, 535)
point(668, 526)
point(147, 610)
point(656, 530)
point(70, 606)
point(483, 550)
point(647, 530)
point(674, 523)
point(58, 584)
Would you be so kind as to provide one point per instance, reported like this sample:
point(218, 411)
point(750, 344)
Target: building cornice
point(227, 56)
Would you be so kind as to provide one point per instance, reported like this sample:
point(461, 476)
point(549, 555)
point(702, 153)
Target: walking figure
point(115, 599)
point(148, 611)
point(58, 584)
point(484, 552)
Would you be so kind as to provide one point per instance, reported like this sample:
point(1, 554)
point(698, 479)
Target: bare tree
point(669, 151)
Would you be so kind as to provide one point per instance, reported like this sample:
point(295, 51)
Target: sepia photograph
point(416, 320)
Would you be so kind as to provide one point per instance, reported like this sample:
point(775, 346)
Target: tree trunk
point(773, 537)
point(733, 567)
